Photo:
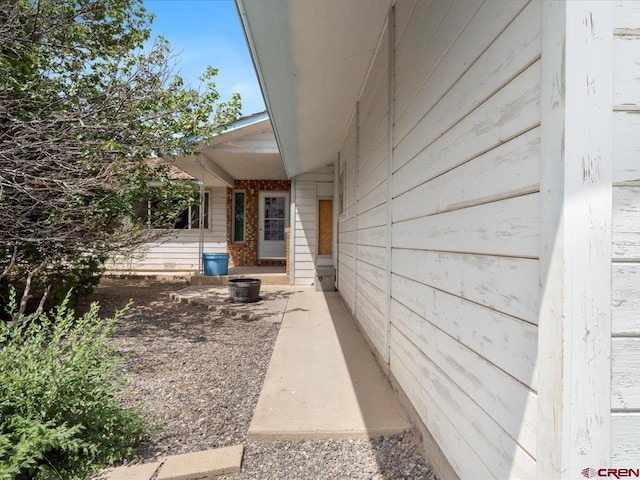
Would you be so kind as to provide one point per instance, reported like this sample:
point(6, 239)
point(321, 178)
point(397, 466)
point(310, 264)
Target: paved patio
point(270, 308)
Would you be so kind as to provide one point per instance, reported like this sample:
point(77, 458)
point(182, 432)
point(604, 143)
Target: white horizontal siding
point(626, 148)
point(626, 17)
point(625, 342)
point(505, 341)
point(305, 222)
point(371, 194)
point(499, 394)
point(180, 249)
point(455, 53)
point(319, 175)
point(625, 438)
point(459, 312)
point(626, 72)
point(625, 299)
point(502, 455)
point(626, 222)
point(512, 111)
point(467, 464)
point(625, 373)
point(465, 235)
point(507, 227)
point(503, 284)
point(437, 33)
point(476, 182)
point(346, 270)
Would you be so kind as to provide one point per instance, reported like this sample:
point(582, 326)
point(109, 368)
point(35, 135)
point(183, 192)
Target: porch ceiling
point(247, 151)
point(311, 58)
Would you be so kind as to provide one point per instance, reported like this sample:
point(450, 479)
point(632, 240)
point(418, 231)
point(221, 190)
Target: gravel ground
point(198, 377)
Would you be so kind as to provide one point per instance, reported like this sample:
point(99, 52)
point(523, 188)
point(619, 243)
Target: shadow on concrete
point(323, 382)
point(397, 436)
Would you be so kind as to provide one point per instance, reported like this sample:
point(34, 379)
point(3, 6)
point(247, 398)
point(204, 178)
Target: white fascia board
point(291, 162)
point(238, 131)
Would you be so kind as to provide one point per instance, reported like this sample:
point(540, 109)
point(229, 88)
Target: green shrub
point(61, 385)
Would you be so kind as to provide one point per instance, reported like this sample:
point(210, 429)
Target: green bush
point(61, 385)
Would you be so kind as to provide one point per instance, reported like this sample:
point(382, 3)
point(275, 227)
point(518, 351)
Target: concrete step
point(144, 471)
point(189, 466)
point(222, 280)
point(206, 464)
point(270, 307)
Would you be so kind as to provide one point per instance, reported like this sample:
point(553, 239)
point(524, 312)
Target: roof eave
point(292, 166)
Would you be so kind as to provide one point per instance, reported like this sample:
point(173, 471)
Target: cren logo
point(611, 472)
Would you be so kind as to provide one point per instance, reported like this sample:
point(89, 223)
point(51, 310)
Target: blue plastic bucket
point(215, 263)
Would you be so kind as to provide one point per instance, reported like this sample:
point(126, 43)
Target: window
point(238, 202)
point(188, 219)
point(274, 218)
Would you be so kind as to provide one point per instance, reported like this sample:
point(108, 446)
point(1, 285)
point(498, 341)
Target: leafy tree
point(82, 105)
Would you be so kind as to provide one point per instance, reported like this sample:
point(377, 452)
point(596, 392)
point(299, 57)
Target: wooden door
point(325, 227)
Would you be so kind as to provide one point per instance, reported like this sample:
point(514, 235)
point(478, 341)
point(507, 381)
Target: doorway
point(273, 218)
point(325, 232)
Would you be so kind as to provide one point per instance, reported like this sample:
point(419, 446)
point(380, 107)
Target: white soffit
point(312, 58)
point(247, 151)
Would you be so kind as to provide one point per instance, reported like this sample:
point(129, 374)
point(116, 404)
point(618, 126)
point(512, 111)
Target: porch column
point(574, 353)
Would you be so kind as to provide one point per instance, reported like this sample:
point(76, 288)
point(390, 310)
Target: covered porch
point(246, 197)
point(244, 163)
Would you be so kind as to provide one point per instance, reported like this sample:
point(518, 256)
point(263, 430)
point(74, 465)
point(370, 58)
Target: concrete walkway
point(323, 381)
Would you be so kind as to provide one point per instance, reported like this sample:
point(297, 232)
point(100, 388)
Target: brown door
point(325, 227)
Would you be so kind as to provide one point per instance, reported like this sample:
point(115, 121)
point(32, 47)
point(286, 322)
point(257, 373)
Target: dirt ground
point(114, 294)
point(196, 374)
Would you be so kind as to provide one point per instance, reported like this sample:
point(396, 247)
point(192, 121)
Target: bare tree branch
point(12, 263)
point(43, 300)
point(25, 293)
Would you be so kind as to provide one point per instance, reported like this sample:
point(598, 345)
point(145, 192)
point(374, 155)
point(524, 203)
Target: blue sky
point(208, 32)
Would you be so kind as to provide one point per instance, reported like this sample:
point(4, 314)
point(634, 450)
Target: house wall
point(625, 342)
point(347, 215)
point(179, 250)
point(308, 188)
point(246, 253)
point(450, 299)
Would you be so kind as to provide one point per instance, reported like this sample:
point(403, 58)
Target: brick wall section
point(246, 254)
